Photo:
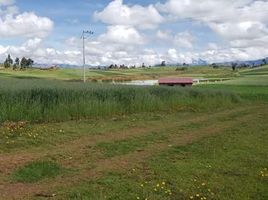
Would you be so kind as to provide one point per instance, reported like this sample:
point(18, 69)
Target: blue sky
point(134, 31)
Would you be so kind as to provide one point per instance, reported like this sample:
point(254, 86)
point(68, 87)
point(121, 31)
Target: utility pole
point(84, 49)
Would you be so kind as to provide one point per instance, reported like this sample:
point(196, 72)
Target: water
point(138, 82)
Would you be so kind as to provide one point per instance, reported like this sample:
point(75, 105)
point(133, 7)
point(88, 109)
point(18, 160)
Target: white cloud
point(164, 35)
point(232, 20)
point(122, 34)
point(25, 25)
point(243, 24)
point(116, 13)
point(184, 40)
point(6, 2)
point(179, 40)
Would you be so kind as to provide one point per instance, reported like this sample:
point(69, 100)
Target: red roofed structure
point(176, 81)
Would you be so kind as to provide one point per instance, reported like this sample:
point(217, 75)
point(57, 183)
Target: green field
point(119, 74)
point(62, 139)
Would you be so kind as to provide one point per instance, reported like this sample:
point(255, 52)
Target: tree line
point(18, 63)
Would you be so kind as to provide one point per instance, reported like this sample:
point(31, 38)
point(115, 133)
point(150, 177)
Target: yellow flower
point(157, 185)
point(163, 183)
point(138, 197)
point(197, 195)
point(191, 197)
point(142, 185)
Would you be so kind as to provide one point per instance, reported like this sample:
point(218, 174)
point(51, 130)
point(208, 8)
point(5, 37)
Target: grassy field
point(66, 140)
point(119, 74)
point(42, 100)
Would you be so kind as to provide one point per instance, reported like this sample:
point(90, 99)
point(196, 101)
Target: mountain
point(249, 62)
point(199, 62)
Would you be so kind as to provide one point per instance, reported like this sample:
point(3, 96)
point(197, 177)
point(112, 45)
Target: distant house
point(183, 82)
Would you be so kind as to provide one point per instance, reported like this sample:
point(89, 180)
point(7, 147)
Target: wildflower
point(191, 197)
point(138, 197)
point(163, 183)
point(142, 185)
point(157, 185)
point(203, 184)
point(155, 189)
point(198, 195)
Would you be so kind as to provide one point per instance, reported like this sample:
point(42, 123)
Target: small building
point(183, 82)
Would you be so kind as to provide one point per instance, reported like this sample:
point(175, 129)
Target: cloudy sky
point(134, 31)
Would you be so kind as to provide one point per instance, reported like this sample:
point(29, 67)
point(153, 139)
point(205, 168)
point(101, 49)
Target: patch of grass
point(247, 92)
point(122, 147)
point(121, 187)
point(115, 74)
point(229, 166)
point(42, 100)
point(36, 171)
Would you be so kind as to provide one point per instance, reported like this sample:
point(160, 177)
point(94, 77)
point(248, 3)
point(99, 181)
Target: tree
point(8, 62)
point(163, 63)
point(16, 64)
point(143, 65)
point(234, 65)
point(30, 62)
point(23, 63)
point(214, 65)
point(264, 62)
point(17, 61)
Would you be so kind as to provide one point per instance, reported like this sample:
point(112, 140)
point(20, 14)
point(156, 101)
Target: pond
point(138, 82)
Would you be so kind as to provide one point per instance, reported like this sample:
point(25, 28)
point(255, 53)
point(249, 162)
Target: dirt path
point(10, 161)
point(121, 163)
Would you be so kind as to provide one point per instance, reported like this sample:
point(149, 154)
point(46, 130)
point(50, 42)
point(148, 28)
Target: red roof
point(175, 81)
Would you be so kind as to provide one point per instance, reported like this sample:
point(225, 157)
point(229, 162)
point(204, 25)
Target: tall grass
point(42, 100)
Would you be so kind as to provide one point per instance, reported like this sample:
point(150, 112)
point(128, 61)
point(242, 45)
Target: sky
point(133, 32)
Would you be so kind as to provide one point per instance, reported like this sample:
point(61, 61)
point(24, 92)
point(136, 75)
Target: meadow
point(62, 139)
point(42, 100)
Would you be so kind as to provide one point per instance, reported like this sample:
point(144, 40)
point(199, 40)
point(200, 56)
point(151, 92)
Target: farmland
point(119, 74)
point(62, 139)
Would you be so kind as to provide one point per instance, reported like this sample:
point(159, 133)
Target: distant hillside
point(195, 62)
point(250, 62)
